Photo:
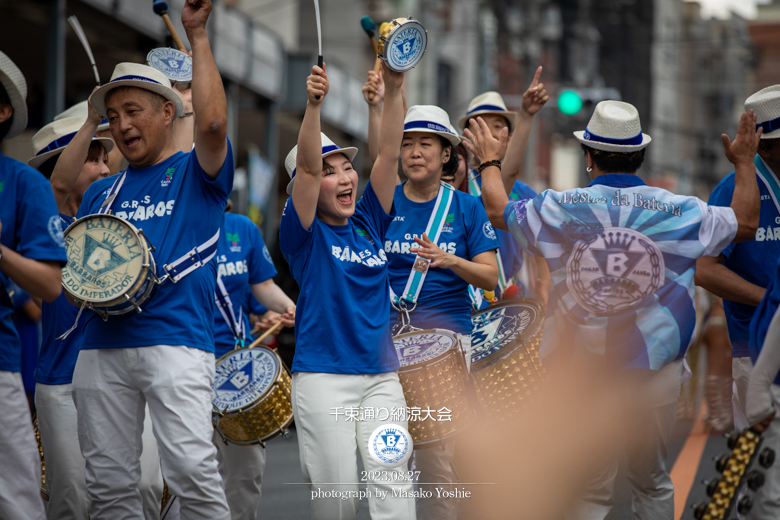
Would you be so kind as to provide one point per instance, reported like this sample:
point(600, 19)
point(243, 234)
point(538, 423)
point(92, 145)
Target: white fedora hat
point(429, 118)
point(614, 127)
point(328, 148)
point(488, 103)
point(141, 76)
point(766, 104)
point(81, 110)
point(52, 139)
point(13, 81)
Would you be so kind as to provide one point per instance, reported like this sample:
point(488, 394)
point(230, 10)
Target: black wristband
point(488, 164)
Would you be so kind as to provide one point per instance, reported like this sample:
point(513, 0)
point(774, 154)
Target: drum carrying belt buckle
point(171, 272)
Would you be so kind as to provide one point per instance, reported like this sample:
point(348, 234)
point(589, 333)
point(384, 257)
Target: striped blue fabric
point(622, 257)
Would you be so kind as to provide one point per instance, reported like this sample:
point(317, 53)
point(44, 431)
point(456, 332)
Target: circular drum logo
point(243, 377)
point(615, 271)
point(175, 64)
point(390, 445)
point(417, 348)
point(498, 328)
point(406, 48)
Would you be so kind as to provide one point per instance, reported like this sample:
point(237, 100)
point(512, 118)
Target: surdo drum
point(433, 375)
point(505, 366)
point(110, 265)
point(402, 44)
point(252, 396)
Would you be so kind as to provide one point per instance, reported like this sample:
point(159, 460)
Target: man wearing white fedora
point(157, 358)
point(32, 253)
point(740, 273)
point(72, 156)
point(622, 257)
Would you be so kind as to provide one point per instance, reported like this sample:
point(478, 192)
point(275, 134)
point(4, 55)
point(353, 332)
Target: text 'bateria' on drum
point(402, 43)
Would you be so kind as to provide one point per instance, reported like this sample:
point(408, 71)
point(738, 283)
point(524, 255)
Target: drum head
point(105, 258)
point(503, 325)
point(243, 376)
point(405, 46)
point(176, 65)
point(424, 345)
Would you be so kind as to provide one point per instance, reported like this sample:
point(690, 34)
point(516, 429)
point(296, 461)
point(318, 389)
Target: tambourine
point(174, 64)
point(402, 44)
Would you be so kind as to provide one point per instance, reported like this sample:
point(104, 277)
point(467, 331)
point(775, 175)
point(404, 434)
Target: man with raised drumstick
point(623, 282)
point(31, 255)
point(158, 357)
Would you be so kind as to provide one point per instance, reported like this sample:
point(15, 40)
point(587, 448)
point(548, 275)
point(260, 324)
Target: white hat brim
point(510, 116)
point(38, 160)
point(775, 134)
point(18, 102)
point(606, 147)
point(99, 96)
point(350, 152)
point(454, 140)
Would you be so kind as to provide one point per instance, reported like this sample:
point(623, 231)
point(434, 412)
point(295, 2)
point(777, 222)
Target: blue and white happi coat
point(622, 256)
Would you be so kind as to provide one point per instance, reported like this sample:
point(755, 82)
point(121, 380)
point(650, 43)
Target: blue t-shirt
point(753, 260)
point(58, 356)
point(444, 299)
point(32, 228)
point(341, 319)
point(765, 311)
point(242, 261)
point(179, 207)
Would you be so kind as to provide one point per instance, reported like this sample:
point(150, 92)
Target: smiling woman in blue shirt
point(344, 353)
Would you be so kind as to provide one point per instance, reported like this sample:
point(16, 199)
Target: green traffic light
point(569, 102)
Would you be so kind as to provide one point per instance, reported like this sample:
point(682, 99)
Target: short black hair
point(47, 168)
point(615, 162)
point(769, 144)
point(451, 166)
point(5, 126)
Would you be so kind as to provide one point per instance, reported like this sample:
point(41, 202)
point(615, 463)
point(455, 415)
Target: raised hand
point(186, 97)
point(745, 146)
point(317, 85)
point(92, 114)
point(536, 96)
point(374, 84)
point(392, 80)
point(432, 252)
point(481, 142)
point(195, 14)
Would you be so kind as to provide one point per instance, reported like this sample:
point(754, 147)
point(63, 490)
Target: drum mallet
point(369, 26)
point(161, 8)
point(74, 22)
point(265, 334)
point(510, 292)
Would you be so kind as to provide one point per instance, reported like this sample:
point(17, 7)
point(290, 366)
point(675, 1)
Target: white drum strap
point(768, 178)
point(476, 191)
point(193, 259)
point(420, 266)
point(112, 193)
point(225, 306)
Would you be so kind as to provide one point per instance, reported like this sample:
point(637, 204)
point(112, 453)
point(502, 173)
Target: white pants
point(111, 388)
point(328, 444)
point(65, 467)
point(436, 465)
point(740, 372)
point(20, 463)
point(242, 472)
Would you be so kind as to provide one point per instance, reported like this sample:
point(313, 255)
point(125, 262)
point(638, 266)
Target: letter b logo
point(616, 264)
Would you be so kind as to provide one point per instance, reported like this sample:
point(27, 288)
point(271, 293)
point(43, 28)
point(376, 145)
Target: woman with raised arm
point(344, 358)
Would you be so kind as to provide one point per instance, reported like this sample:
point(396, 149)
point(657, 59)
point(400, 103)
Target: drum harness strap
point(178, 269)
point(225, 306)
point(765, 174)
point(420, 267)
point(476, 191)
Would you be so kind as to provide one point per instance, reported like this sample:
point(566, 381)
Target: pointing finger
point(536, 76)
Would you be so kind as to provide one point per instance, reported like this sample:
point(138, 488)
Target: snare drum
point(505, 366)
point(434, 377)
point(402, 44)
point(110, 265)
point(252, 396)
point(174, 64)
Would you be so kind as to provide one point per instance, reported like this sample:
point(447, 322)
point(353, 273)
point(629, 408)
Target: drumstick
point(266, 334)
point(74, 22)
point(161, 8)
point(319, 34)
point(369, 26)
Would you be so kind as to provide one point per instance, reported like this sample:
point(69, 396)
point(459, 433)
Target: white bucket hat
point(429, 118)
point(13, 81)
point(766, 104)
point(488, 103)
point(328, 148)
point(81, 110)
point(614, 127)
point(52, 139)
point(141, 76)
